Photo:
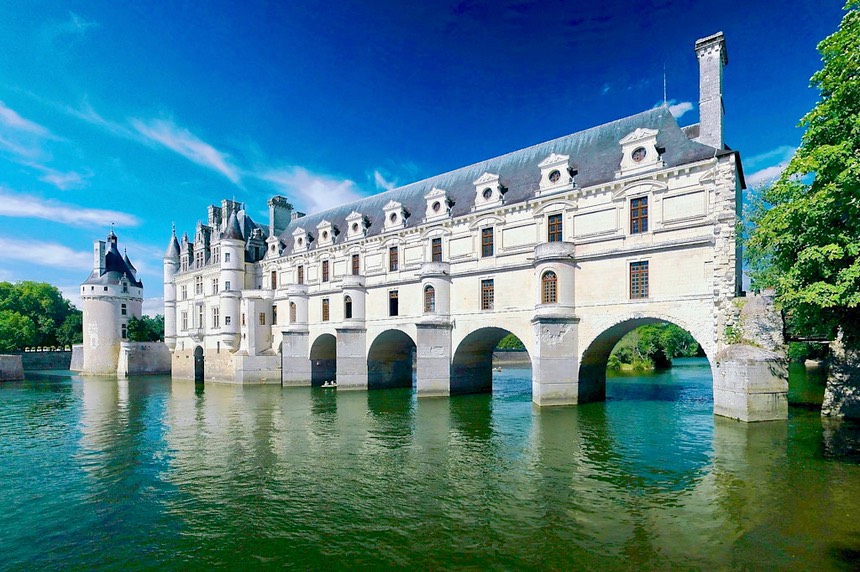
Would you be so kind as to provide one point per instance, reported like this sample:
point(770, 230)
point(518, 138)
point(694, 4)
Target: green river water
point(156, 474)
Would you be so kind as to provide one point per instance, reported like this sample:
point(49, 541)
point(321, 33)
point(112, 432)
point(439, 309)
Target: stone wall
point(143, 358)
point(842, 393)
point(46, 360)
point(11, 368)
point(77, 363)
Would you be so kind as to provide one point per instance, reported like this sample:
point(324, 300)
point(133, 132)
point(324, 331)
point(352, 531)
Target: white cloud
point(11, 119)
point(153, 306)
point(64, 181)
point(26, 206)
point(382, 183)
point(679, 109)
point(44, 253)
point(187, 144)
point(768, 172)
point(316, 192)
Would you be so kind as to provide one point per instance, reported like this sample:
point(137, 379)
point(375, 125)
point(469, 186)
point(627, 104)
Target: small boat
point(329, 384)
point(497, 369)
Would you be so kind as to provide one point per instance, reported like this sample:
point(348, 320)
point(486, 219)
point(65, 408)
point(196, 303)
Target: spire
point(128, 263)
point(111, 237)
point(233, 230)
point(173, 247)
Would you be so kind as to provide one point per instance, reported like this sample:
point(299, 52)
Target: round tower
point(171, 267)
point(110, 297)
point(232, 278)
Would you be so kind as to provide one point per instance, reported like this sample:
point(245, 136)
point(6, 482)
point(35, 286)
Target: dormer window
point(326, 233)
point(300, 240)
point(357, 225)
point(489, 191)
point(395, 215)
point(639, 153)
point(556, 174)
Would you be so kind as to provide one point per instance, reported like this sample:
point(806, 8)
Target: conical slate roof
point(233, 231)
point(173, 247)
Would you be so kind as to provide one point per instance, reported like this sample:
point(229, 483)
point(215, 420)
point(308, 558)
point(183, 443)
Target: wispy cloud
point(381, 182)
point(188, 145)
point(12, 120)
point(317, 192)
point(770, 165)
point(26, 206)
point(71, 29)
point(43, 253)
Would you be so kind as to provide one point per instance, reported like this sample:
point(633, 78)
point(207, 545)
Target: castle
point(568, 244)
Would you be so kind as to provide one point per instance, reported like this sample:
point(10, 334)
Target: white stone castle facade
point(567, 244)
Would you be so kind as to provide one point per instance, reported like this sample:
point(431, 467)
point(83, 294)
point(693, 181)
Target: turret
point(171, 266)
point(232, 278)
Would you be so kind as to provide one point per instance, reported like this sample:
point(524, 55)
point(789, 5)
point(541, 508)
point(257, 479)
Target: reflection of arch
point(472, 369)
point(323, 359)
point(592, 364)
point(198, 364)
point(390, 360)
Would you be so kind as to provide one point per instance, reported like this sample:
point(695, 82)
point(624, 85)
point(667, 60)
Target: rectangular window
point(123, 310)
point(274, 279)
point(274, 315)
point(214, 285)
point(216, 254)
point(639, 215)
point(325, 310)
point(300, 275)
point(639, 279)
point(436, 250)
point(216, 318)
point(184, 321)
point(292, 312)
point(262, 318)
point(355, 264)
point(487, 294)
point(243, 319)
point(199, 316)
point(198, 259)
point(226, 257)
point(393, 308)
point(325, 270)
point(124, 332)
point(226, 285)
point(184, 290)
point(198, 285)
point(184, 263)
point(487, 241)
point(392, 259)
point(227, 320)
point(553, 233)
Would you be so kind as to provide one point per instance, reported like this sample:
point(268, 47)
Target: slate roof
point(595, 153)
point(116, 266)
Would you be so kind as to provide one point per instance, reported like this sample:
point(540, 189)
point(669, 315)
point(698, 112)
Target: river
point(158, 474)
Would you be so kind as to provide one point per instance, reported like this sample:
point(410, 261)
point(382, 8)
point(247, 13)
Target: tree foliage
point(804, 234)
point(36, 314)
point(651, 346)
point(146, 328)
point(510, 343)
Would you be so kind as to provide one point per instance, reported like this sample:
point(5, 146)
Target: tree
point(654, 345)
point(45, 310)
point(16, 331)
point(804, 234)
point(510, 343)
point(146, 329)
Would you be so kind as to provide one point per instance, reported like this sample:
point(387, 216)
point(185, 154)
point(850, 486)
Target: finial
point(664, 84)
point(173, 226)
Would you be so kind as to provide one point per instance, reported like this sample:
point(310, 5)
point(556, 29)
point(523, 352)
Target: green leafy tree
point(511, 343)
point(654, 345)
point(45, 308)
point(804, 234)
point(72, 329)
point(146, 329)
point(16, 331)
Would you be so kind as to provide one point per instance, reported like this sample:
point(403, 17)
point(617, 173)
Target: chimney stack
point(711, 52)
point(99, 251)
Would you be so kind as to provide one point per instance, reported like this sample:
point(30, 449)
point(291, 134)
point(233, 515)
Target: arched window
point(429, 299)
point(292, 312)
point(549, 287)
point(347, 307)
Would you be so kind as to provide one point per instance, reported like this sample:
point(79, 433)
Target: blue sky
point(142, 114)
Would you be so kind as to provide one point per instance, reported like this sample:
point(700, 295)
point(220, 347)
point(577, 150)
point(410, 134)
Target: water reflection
point(156, 472)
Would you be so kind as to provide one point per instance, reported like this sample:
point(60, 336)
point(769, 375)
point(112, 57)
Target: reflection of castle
point(111, 296)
